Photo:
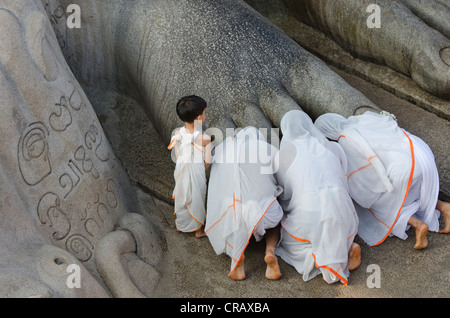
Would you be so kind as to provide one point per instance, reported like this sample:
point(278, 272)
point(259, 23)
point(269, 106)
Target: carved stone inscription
point(76, 202)
point(32, 153)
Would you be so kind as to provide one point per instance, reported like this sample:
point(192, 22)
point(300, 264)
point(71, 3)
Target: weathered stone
point(247, 69)
point(62, 187)
point(65, 197)
point(434, 131)
point(409, 40)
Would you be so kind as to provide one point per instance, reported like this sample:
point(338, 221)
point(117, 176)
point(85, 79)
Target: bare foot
point(200, 233)
point(421, 236)
point(273, 269)
point(444, 207)
point(354, 257)
point(238, 273)
point(421, 232)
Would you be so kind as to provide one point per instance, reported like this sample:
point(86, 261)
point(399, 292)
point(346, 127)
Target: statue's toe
point(445, 55)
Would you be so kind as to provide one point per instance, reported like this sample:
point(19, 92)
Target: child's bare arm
point(173, 144)
point(206, 143)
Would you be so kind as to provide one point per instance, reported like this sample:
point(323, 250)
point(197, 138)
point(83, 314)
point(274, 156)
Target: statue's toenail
point(445, 55)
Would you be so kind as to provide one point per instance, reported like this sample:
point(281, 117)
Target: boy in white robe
point(392, 177)
point(320, 220)
point(192, 151)
point(242, 200)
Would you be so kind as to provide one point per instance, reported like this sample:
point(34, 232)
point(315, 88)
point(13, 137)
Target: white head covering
point(242, 197)
point(297, 124)
point(381, 165)
point(320, 221)
point(330, 125)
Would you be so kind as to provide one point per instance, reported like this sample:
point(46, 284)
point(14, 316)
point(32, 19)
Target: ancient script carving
point(33, 154)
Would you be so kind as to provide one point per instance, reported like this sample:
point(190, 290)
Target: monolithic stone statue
point(247, 70)
point(412, 36)
point(65, 198)
point(66, 203)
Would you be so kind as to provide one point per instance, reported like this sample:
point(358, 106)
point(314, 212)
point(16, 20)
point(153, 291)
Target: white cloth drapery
point(242, 193)
point(392, 174)
point(190, 180)
point(320, 220)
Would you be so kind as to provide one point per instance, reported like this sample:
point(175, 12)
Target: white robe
point(392, 174)
point(320, 222)
point(190, 180)
point(242, 193)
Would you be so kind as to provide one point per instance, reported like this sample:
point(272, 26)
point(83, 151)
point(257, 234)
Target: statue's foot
point(412, 37)
point(421, 33)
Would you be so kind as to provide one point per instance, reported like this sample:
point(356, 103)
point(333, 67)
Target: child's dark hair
point(190, 107)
